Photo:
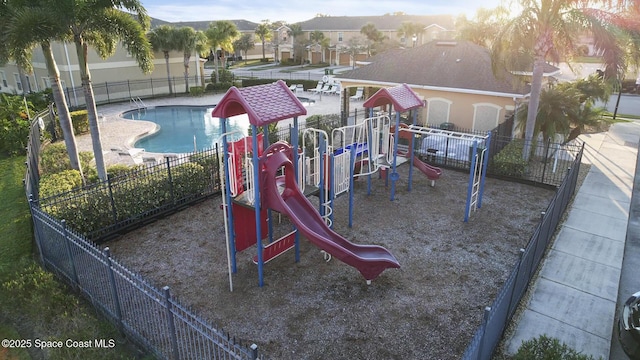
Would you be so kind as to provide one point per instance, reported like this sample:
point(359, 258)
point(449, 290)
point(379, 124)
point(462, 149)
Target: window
point(438, 110)
point(340, 36)
point(18, 82)
point(27, 86)
point(485, 116)
point(3, 78)
point(46, 82)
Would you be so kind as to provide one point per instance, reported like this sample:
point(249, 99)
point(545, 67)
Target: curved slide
point(283, 195)
point(433, 173)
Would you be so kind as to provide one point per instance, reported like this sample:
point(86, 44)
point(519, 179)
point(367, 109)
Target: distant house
point(455, 79)
point(341, 29)
point(122, 68)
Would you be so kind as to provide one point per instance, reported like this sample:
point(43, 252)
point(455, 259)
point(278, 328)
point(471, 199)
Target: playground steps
point(277, 248)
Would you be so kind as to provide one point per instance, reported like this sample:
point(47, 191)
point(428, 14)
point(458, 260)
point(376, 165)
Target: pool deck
point(119, 135)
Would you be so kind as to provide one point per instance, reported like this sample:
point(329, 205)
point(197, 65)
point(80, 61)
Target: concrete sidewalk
point(574, 297)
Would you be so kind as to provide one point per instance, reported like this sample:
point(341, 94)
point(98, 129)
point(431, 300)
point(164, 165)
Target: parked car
point(629, 327)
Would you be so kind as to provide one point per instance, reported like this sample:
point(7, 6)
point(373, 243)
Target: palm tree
point(101, 24)
point(484, 28)
point(294, 31)
point(410, 29)
point(221, 35)
point(373, 35)
point(567, 108)
point(24, 27)
point(163, 38)
point(325, 43)
point(244, 43)
point(353, 48)
point(316, 37)
point(263, 32)
point(547, 29)
point(188, 41)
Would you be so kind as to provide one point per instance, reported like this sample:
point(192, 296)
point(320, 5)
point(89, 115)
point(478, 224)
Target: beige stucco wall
point(461, 110)
point(121, 67)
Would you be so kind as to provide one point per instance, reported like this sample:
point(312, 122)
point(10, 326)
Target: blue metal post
point(485, 163)
point(352, 162)
point(394, 174)
point(472, 176)
point(227, 194)
point(256, 202)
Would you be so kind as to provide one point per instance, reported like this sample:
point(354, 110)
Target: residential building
point(340, 30)
point(455, 79)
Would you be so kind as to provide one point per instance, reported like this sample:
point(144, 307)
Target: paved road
point(629, 104)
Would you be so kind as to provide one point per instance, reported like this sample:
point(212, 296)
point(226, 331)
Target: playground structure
point(271, 174)
point(259, 178)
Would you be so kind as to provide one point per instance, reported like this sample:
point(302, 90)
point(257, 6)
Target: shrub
point(219, 86)
point(14, 124)
point(196, 91)
point(80, 120)
point(60, 182)
point(546, 348)
point(509, 161)
point(54, 159)
point(118, 170)
point(582, 50)
point(90, 210)
point(209, 163)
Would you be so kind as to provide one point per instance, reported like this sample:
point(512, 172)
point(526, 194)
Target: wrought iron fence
point(151, 317)
point(119, 91)
point(276, 74)
point(167, 329)
point(497, 316)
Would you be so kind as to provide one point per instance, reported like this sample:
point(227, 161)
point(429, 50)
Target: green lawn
point(33, 304)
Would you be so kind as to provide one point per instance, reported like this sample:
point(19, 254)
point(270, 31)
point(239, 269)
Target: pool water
point(184, 129)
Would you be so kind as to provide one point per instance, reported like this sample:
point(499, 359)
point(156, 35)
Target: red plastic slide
point(286, 198)
point(433, 173)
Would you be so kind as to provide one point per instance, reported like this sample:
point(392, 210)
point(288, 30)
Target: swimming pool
point(184, 128)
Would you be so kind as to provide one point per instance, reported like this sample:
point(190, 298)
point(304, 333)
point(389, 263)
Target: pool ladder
point(137, 102)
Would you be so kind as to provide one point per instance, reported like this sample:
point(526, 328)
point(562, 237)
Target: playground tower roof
point(263, 104)
point(401, 96)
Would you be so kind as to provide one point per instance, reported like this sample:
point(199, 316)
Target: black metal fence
point(497, 316)
point(119, 91)
point(151, 317)
point(277, 74)
point(144, 193)
point(158, 322)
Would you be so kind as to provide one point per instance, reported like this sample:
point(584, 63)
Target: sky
point(292, 11)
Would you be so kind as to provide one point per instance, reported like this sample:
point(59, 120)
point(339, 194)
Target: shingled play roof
point(401, 96)
point(263, 104)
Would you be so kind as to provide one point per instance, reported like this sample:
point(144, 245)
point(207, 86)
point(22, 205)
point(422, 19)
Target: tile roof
point(382, 23)
point(401, 97)
point(242, 25)
point(456, 65)
point(263, 104)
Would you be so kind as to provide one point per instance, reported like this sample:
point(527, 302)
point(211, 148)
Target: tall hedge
point(509, 161)
point(89, 210)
